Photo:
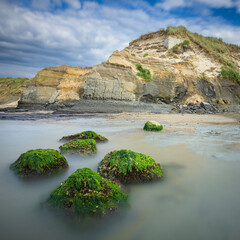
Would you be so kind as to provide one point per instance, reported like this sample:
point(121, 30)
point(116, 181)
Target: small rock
point(152, 126)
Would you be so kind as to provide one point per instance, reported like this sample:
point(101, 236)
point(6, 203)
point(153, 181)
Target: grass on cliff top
point(86, 193)
point(216, 47)
point(13, 85)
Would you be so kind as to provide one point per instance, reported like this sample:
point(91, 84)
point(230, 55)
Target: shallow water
point(198, 199)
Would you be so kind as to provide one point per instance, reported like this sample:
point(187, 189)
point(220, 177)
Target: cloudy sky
point(35, 34)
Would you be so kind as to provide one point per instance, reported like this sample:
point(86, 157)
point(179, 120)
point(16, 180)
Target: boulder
point(205, 105)
point(86, 146)
point(39, 162)
point(152, 126)
point(126, 166)
point(86, 135)
point(85, 193)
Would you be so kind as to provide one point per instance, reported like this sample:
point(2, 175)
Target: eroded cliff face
point(186, 75)
point(56, 84)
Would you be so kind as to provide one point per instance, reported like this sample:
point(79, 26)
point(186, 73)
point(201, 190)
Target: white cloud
point(170, 4)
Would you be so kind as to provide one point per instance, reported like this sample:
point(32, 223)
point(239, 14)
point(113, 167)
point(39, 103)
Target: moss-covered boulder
point(39, 162)
point(86, 193)
point(86, 135)
point(126, 166)
point(152, 126)
point(87, 146)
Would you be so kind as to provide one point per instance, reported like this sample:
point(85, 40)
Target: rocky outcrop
point(190, 75)
point(111, 81)
point(56, 84)
point(201, 108)
point(170, 42)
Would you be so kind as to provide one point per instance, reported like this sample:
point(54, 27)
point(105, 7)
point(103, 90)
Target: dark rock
point(205, 105)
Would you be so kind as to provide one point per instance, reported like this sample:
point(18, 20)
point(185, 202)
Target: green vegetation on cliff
point(179, 47)
point(230, 74)
point(86, 146)
point(86, 193)
point(143, 72)
point(39, 162)
point(12, 86)
point(128, 166)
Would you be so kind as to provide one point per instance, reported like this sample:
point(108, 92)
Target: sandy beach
point(179, 118)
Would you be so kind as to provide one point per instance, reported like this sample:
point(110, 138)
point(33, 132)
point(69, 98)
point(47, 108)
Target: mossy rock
point(85, 193)
point(152, 126)
point(86, 146)
point(126, 166)
point(86, 135)
point(39, 162)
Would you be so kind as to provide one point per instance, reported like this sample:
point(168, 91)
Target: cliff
point(170, 66)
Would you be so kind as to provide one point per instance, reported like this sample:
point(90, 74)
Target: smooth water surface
point(198, 199)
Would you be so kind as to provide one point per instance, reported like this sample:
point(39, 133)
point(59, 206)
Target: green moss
point(145, 54)
point(127, 166)
point(86, 193)
point(230, 74)
point(133, 54)
point(39, 162)
point(185, 43)
point(143, 72)
point(86, 135)
point(79, 146)
point(152, 126)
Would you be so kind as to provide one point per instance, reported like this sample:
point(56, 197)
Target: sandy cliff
point(183, 67)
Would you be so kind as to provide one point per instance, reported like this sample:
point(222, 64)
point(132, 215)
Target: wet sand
point(179, 118)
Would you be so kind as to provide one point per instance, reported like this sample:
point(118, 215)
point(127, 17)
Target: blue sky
point(35, 34)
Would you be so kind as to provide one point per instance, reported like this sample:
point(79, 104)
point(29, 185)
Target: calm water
point(198, 199)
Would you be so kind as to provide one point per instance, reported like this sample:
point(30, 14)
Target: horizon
point(39, 34)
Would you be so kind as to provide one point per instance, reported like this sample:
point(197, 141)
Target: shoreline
point(171, 117)
point(122, 110)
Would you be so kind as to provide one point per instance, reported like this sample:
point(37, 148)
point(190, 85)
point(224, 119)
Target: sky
point(35, 34)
